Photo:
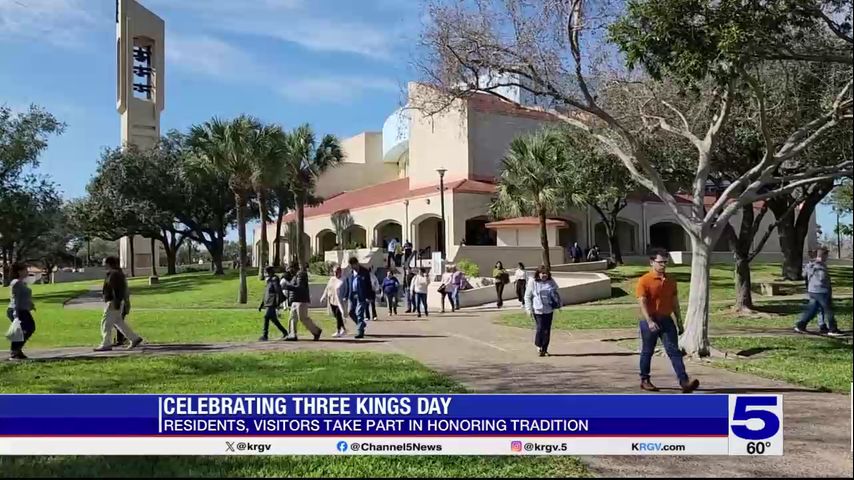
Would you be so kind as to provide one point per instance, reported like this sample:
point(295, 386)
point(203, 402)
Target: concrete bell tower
point(140, 80)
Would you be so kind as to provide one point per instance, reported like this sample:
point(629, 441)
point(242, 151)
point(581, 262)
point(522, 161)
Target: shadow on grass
point(594, 354)
point(184, 283)
point(617, 292)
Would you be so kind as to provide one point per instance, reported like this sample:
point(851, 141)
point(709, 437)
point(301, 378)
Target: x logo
point(229, 446)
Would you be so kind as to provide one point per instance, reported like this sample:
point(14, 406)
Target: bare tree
point(559, 51)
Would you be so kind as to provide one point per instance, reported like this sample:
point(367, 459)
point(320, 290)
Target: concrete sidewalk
point(486, 357)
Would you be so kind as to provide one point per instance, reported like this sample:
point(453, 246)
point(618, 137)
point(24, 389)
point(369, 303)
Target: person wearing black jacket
point(115, 294)
point(273, 297)
point(410, 297)
point(299, 310)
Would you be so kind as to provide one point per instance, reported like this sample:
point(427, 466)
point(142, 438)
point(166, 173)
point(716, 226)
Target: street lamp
point(441, 172)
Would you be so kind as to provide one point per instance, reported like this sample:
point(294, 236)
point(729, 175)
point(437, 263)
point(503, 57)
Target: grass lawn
point(815, 362)
point(264, 373)
point(59, 327)
point(721, 281)
point(776, 314)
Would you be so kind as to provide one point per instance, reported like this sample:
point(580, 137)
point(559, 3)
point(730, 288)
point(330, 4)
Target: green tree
point(226, 146)
point(29, 208)
point(556, 52)
point(305, 161)
point(23, 136)
point(269, 148)
point(531, 182)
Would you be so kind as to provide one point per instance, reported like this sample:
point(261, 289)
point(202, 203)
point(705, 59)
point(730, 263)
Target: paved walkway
point(487, 357)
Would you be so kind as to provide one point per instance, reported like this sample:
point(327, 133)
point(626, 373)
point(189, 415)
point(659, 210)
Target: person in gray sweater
point(820, 295)
point(20, 307)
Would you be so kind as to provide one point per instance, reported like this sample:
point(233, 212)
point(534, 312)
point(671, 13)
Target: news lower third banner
point(345, 424)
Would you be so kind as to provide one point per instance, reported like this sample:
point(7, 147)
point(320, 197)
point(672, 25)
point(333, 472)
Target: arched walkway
point(325, 241)
point(355, 236)
point(627, 234)
point(387, 230)
point(667, 235)
point(427, 231)
point(568, 235)
point(477, 233)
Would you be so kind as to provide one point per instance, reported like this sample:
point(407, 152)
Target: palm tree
point(530, 181)
point(268, 146)
point(226, 146)
point(305, 161)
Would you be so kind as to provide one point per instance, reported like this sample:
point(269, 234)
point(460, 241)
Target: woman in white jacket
point(541, 300)
point(419, 287)
point(334, 301)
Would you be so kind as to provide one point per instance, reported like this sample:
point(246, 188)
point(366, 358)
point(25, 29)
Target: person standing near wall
point(502, 278)
point(520, 281)
point(541, 300)
point(445, 287)
point(407, 254)
point(398, 254)
point(659, 304)
point(375, 290)
point(410, 297)
point(20, 308)
point(391, 248)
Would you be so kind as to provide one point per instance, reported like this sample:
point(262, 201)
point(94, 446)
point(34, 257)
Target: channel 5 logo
point(516, 446)
point(755, 417)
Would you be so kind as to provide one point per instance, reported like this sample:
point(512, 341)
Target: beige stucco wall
point(489, 136)
point(437, 141)
point(525, 236)
point(362, 166)
point(463, 207)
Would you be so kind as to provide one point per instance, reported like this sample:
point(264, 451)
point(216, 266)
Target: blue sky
point(340, 65)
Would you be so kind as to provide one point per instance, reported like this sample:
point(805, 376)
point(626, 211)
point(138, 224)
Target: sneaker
point(689, 386)
point(823, 330)
point(360, 335)
point(317, 335)
point(648, 386)
point(263, 338)
point(135, 343)
point(801, 330)
point(544, 353)
point(835, 333)
point(419, 315)
point(374, 319)
point(19, 355)
point(336, 334)
point(102, 349)
point(291, 339)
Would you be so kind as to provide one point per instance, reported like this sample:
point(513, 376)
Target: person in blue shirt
point(391, 286)
point(358, 290)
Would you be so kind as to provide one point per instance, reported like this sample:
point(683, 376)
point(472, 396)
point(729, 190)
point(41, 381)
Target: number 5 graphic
point(771, 424)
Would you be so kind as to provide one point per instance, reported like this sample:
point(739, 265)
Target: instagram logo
point(516, 446)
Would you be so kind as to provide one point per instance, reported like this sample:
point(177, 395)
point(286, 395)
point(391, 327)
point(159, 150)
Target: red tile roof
point(394, 190)
point(488, 103)
point(524, 222)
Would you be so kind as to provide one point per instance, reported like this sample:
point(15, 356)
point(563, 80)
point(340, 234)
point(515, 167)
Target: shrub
point(469, 268)
point(317, 257)
point(321, 268)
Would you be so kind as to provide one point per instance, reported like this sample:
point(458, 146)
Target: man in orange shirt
point(659, 303)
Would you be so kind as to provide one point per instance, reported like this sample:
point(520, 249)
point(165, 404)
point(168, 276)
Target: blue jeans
point(669, 338)
point(357, 312)
point(455, 298)
point(410, 300)
point(421, 299)
point(819, 303)
point(271, 315)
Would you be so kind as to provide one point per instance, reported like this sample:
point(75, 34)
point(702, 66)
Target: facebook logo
point(342, 446)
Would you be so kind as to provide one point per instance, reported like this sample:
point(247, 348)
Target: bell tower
point(140, 80)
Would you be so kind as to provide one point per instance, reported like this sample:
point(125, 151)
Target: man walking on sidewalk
point(114, 293)
point(358, 289)
point(659, 303)
point(273, 297)
point(820, 295)
point(299, 310)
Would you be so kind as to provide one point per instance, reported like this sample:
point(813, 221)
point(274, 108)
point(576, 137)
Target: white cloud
point(213, 57)
point(64, 23)
point(334, 89)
